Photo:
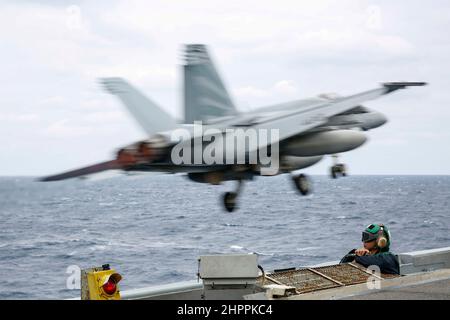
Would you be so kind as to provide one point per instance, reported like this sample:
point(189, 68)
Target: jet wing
point(294, 122)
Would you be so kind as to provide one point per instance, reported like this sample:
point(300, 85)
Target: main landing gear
point(302, 183)
point(229, 199)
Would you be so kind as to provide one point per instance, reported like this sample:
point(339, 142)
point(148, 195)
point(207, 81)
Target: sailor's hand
point(362, 252)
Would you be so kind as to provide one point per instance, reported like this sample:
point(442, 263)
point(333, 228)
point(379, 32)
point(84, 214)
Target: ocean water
point(152, 229)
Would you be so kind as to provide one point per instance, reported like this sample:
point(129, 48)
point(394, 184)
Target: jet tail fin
point(147, 113)
point(205, 95)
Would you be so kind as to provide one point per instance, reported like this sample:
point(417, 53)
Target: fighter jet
point(301, 132)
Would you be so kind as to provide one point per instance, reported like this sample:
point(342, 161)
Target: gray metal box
point(222, 267)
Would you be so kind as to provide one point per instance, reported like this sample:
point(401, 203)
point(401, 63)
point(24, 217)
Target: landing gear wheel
point(302, 184)
point(338, 169)
point(229, 200)
point(333, 172)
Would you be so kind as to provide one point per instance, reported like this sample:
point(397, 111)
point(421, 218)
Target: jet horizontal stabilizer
point(108, 165)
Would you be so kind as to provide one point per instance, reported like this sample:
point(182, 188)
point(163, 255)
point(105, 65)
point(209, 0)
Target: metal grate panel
point(313, 279)
point(303, 280)
point(344, 273)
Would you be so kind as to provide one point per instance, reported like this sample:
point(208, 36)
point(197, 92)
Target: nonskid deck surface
point(434, 285)
point(435, 290)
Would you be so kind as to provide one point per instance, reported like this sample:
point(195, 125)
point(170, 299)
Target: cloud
point(390, 142)
point(104, 117)
point(63, 129)
point(53, 102)
point(154, 76)
point(351, 40)
point(291, 27)
point(282, 89)
point(19, 118)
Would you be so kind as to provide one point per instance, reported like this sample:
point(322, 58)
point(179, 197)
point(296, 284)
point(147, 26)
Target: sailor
point(376, 240)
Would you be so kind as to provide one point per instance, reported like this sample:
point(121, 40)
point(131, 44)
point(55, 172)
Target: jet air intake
point(326, 142)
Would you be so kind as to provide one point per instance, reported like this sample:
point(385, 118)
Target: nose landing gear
point(229, 198)
point(337, 168)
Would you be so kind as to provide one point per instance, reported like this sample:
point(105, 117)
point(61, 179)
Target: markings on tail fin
point(205, 95)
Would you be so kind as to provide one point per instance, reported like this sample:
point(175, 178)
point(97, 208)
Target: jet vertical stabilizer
point(205, 95)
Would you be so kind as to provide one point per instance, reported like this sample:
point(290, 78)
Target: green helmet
point(377, 232)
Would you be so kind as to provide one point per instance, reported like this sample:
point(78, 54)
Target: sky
point(54, 115)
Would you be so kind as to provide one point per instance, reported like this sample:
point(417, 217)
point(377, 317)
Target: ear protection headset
point(382, 240)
